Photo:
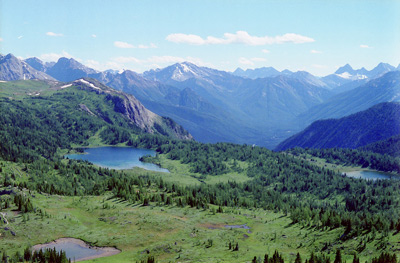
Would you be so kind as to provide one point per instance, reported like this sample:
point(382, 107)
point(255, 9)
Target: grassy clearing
point(335, 167)
point(170, 233)
point(24, 88)
point(180, 173)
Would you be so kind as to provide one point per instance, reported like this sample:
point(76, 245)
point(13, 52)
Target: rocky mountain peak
point(12, 68)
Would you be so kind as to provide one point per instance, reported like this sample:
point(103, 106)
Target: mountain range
point(12, 68)
point(382, 89)
point(261, 106)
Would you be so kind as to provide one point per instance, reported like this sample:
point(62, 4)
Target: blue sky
point(316, 36)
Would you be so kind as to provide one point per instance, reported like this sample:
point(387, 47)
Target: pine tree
point(298, 258)
point(338, 258)
point(356, 259)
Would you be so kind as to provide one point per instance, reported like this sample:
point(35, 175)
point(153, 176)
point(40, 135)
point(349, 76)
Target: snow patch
point(183, 72)
point(359, 76)
point(65, 86)
point(89, 84)
point(395, 97)
point(345, 75)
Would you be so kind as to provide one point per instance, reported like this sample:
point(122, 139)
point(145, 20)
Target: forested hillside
point(375, 124)
point(183, 214)
point(38, 121)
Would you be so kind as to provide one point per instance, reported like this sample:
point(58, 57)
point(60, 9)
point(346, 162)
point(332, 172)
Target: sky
point(315, 36)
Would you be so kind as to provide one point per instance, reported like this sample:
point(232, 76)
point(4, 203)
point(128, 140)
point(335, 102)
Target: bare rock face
point(12, 68)
point(134, 110)
point(129, 106)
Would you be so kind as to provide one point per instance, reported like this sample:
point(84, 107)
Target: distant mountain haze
point(255, 106)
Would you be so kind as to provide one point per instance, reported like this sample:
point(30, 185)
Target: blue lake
point(117, 158)
point(77, 250)
point(372, 175)
point(74, 251)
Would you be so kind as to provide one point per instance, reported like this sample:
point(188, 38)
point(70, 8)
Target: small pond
point(244, 226)
point(78, 250)
point(117, 158)
point(371, 175)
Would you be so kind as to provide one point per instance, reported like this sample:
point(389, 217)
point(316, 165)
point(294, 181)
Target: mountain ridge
point(377, 123)
point(12, 68)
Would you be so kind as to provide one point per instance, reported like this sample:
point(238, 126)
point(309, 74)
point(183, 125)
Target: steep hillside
point(390, 146)
point(377, 123)
point(53, 113)
point(383, 89)
point(275, 102)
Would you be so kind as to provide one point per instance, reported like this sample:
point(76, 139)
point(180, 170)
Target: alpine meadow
point(200, 131)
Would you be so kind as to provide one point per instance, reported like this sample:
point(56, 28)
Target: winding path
point(4, 216)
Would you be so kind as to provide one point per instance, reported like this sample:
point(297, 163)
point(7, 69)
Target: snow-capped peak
point(184, 71)
point(345, 75)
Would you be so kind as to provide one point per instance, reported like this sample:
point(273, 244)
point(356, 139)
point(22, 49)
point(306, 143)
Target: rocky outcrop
point(134, 110)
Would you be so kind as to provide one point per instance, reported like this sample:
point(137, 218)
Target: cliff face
point(131, 108)
point(134, 110)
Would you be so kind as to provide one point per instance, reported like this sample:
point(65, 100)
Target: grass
point(24, 88)
point(170, 233)
point(180, 173)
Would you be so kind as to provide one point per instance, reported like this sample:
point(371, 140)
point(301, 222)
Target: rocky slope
point(133, 110)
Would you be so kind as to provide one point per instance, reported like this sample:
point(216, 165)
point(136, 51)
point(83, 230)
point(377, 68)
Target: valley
point(218, 202)
point(202, 131)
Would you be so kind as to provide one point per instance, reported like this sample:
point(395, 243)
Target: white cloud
point(315, 52)
point(125, 60)
point(20, 37)
point(240, 37)
point(94, 36)
point(1, 39)
point(50, 57)
point(258, 59)
point(151, 62)
point(245, 61)
point(147, 46)
point(187, 39)
point(52, 34)
point(120, 44)
point(250, 61)
point(265, 51)
point(93, 64)
point(364, 46)
point(320, 66)
point(165, 59)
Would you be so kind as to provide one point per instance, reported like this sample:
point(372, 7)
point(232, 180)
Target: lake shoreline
point(106, 251)
point(371, 175)
point(118, 158)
